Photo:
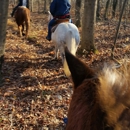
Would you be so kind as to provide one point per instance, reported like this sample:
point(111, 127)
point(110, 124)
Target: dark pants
point(50, 25)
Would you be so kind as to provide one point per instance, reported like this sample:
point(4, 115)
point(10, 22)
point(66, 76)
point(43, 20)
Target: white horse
point(66, 34)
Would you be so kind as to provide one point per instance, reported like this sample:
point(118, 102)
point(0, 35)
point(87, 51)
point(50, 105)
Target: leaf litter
point(36, 94)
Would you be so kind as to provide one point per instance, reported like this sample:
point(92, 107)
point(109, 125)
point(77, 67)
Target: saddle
point(58, 21)
point(22, 6)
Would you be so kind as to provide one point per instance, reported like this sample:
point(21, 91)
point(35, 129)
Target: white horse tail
point(66, 68)
point(71, 42)
point(72, 46)
point(65, 65)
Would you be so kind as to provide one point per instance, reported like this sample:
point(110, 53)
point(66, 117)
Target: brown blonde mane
point(100, 101)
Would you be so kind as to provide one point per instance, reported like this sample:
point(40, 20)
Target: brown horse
point(101, 100)
point(22, 16)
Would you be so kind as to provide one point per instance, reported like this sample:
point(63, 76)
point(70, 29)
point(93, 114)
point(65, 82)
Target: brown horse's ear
point(79, 71)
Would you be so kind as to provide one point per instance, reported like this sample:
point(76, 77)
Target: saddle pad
point(54, 28)
point(58, 21)
point(22, 7)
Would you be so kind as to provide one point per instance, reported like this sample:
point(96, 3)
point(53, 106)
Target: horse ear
point(79, 70)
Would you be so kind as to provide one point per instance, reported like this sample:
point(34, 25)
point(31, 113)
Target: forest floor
point(35, 94)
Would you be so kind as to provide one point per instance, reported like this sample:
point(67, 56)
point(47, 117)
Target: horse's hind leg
point(56, 52)
point(27, 22)
point(27, 27)
point(23, 29)
point(26, 31)
point(20, 30)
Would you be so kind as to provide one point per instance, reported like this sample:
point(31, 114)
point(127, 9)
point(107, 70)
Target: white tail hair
point(72, 47)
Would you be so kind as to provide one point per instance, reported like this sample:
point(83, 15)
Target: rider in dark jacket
point(59, 9)
point(21, 3)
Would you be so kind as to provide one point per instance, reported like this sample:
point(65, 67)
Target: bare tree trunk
point(118, 27)
point(77, 13)
point(126, 14)
point(114, 8)
point(45, 7)
point(31, 5)
point(88, 25)
point(120, 4)
point(3, 20)
point(38, 6)
point(49, 1)
point(98, 10)
point(106, 9)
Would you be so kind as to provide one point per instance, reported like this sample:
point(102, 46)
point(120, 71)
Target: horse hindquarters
point(22, 15)
point(66, 34)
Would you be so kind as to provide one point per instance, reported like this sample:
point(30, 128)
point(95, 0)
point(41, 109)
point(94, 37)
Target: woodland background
point(35, 93)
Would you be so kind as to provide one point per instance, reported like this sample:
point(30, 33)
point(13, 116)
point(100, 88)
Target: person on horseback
point(21, 3)
point(60, 9)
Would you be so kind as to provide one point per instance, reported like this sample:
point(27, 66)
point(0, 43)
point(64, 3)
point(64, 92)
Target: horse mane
point(101, 100)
